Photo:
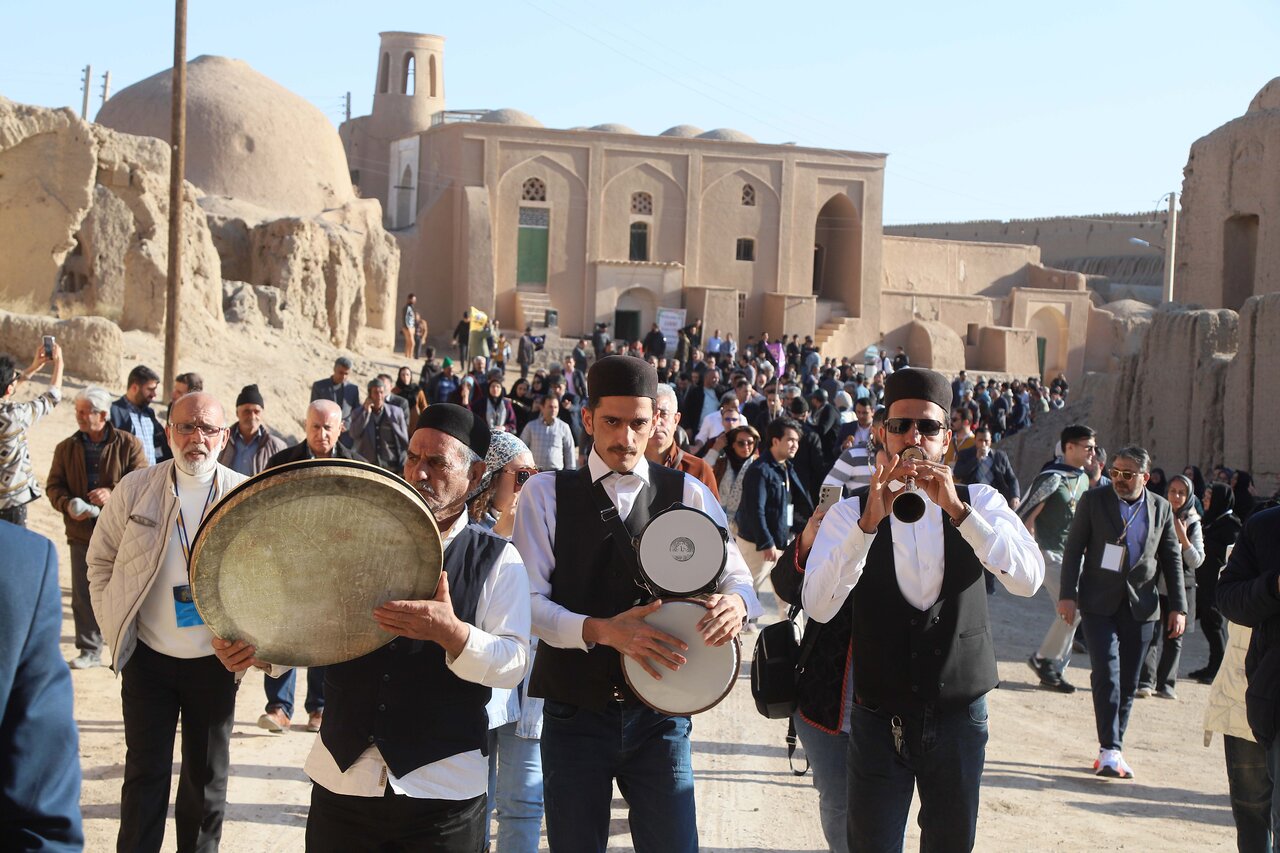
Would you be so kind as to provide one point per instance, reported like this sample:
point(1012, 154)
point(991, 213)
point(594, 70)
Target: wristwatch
point(956, 522)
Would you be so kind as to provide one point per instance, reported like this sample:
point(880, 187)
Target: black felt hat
point(917, 383)
point(458, 422)
point(250, 394)
point(622, 376)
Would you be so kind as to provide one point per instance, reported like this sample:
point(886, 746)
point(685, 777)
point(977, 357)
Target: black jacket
point(1003, 479)
point(301, 451)
point(761, 516)
point(1249, 595)
point(120, 420)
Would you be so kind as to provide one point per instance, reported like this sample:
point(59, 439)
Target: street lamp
point(1170, 238)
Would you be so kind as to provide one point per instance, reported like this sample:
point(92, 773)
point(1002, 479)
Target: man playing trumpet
point(914, 595)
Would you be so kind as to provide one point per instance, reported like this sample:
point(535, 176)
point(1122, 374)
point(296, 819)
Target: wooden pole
point(177, 168)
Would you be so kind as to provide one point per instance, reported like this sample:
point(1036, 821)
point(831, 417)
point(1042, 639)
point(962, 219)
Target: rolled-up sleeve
point(496, 653)
point(836, 561)
point(1002, 542)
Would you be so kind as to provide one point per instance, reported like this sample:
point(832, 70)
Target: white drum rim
point(628, 665)
point(659, 556)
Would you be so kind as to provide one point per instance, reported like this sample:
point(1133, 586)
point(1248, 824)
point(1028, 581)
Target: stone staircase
point(828, 330)
point(532, 307)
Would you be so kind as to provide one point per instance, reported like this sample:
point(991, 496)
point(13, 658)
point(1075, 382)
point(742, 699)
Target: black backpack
point(776, 665)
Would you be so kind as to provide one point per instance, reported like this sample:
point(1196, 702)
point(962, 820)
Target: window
point(409, 81)
point(748, 195)
point(642, 204)
point(534, 190)
point(531, 245)
point(742, 305)
point(384, 74)
point(431, 68)
point(746, 249)
point(639, 241)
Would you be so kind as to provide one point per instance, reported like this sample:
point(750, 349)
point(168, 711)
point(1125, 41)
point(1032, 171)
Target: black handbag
point(776, 664)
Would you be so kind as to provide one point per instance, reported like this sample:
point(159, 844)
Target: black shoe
point(1061, 686)
point(1050, 678)
point(1203, 676)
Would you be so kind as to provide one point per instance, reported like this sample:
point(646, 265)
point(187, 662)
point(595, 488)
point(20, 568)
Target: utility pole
point(84, 106)
point(1170, 237)
point(177, 167)
point(106, 86)
point(348, 106)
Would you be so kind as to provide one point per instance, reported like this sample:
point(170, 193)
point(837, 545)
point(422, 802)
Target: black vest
point(904, 658)
point(402, 698)
point(591, 577)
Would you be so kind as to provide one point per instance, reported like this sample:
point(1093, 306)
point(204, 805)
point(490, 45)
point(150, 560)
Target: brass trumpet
point(908, 505)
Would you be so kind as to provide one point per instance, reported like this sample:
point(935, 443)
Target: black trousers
point(157, 690)
point(338, 823)
point(88, 636)
point(1160, 668)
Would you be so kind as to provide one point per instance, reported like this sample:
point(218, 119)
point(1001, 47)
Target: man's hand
point(1067, 611)
point(631, 635)
point(876, 506)
point(937, 481)
point(848, 442)
point(725, 615)
point(98, 496)
point(772, 555)
point(432, 620)
point(1177, 624)
point(810, 533)
point(237, 656)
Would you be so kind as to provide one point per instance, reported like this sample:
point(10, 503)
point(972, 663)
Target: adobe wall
point(1251, 410)
point(955, 268)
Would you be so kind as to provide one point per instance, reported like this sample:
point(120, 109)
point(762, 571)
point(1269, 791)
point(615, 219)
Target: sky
point(992, 110)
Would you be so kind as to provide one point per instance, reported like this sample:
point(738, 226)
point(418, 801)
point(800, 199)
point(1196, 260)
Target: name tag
point(184, 608)
point(1112, 557)
point(788, 516)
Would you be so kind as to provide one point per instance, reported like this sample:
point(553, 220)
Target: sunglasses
point(745, 442)
point(901, 426)
point(1123, 476)
point(523, 475)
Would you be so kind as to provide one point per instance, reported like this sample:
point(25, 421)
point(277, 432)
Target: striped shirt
point(852, 469)
point(18, 484)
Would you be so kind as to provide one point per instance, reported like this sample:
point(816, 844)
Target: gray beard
point(195, 469)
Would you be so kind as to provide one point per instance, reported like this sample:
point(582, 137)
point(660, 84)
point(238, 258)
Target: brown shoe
point(314, 719)
point(274, 721)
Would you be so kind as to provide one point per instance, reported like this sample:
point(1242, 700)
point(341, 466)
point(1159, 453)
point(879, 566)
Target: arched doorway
point(635, 314)
point(1050, 326)
point(837, 254)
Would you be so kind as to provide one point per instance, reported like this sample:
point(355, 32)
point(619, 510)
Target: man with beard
point(400, 764)
point(161, 647)
point(913, 594)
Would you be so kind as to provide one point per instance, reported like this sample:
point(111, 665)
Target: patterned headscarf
point(503, 447)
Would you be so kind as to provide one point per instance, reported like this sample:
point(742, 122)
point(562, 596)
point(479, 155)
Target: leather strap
point(621, 536)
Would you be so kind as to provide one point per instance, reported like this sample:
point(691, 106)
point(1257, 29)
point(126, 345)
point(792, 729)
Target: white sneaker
point(1110, 764)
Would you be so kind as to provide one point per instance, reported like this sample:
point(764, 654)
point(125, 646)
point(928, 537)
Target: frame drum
point(294, 560)
point(682, 552)
point(699, 685)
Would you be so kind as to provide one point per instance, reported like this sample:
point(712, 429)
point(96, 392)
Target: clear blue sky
point(987, 110)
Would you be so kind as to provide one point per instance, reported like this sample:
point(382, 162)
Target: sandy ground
point(1038, 791)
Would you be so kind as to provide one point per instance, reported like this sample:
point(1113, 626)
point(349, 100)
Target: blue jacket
point(761, 514)
point(120, 420)
point(39, 746)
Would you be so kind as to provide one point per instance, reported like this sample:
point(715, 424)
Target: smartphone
point(48, 346)
point(829, 496)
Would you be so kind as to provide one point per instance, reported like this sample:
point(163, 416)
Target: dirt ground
point(1038, 790)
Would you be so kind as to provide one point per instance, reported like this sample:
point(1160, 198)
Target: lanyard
point(1137, 508)
point(184, 539)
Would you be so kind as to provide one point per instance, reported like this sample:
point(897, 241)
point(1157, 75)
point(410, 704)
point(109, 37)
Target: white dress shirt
point(535, 536)
point(495, 655)
point(839, 554)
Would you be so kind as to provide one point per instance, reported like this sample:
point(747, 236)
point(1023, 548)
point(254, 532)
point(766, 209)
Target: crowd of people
point(800, 457)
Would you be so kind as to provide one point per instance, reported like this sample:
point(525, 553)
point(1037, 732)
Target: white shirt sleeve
point(736, 577)
point(1002, 542)
point(496, 653)
point(534, 537)
point(836, 561)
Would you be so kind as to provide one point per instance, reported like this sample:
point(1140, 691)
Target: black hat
point(458, 422)
point(917, 383)
point(622, 376)
point(250, 394)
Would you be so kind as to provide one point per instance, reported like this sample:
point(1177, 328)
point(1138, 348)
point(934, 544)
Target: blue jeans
point(583, 751)
point(1249, 771)
point(280, 691)
point(1117, 646)
point(828, 757)
point(515, 788)
point(943, 752)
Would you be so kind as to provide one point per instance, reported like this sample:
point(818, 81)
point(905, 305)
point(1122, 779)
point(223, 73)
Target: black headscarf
point(1197, 480)
point(1162, 488)
point(1221, 502)
point(1244, 498)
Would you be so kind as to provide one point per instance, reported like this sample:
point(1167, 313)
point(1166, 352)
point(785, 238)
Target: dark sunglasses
point(1123, 476)
point(523, 475)
point(901, 426)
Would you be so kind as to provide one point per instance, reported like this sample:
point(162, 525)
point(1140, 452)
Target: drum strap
point(621, 536)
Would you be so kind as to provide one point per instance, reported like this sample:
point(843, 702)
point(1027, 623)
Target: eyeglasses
point(745, 442)
point(1123, 476)
point(901, 426)
point(190, 429)
point(523, 475)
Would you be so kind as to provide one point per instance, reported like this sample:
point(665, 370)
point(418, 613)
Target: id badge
point(184, 608)
point(1112, 557)
point(788, 516)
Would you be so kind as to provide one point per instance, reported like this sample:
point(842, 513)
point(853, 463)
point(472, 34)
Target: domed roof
point(612, 127)
point(248, 137)
point(684, 131)
point(510, 116)
point(726, 134)
point(1128, 308)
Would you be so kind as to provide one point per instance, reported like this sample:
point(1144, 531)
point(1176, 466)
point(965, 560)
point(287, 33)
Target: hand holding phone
point(829, 495)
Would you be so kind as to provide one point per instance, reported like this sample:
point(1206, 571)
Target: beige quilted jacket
point(1225, 712)
point(128, 546)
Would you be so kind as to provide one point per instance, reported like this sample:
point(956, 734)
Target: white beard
point(195, 469)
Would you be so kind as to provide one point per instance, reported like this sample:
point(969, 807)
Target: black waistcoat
point(591, 577)
point(402, 698)
point(904, 658)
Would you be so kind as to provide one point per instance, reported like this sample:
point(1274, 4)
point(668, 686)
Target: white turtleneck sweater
point(157, 619)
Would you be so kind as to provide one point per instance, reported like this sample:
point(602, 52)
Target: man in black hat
point(399, 762)
point(588, 611)
point(922, 649)
point(250, 446)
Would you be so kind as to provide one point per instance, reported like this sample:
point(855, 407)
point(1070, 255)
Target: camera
point(48, 346)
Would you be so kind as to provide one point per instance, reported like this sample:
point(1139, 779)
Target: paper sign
point(1112, 555)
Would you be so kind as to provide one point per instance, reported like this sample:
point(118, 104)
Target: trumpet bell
point(907, 506)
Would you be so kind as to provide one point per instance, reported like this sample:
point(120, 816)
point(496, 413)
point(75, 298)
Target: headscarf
point(1197, 480)
point(1244, 498)
point(503, 447)
point(1162, 488)
point(1221, 502)
point(1191, 495)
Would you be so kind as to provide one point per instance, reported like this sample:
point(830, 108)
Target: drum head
point(701, 683)
point(294, 560)
point(682, 551)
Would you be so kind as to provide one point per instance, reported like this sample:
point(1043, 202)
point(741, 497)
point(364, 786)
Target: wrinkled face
point(934, 446)
point(249, 416)
point(1127, 478)
point(436, 466)
point(621, 427)
point(87, 419)
point(1178, 494)
point(665, 420)
point(377, 394)
point(197, 453)
point(323, 431)
point(477, 364)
